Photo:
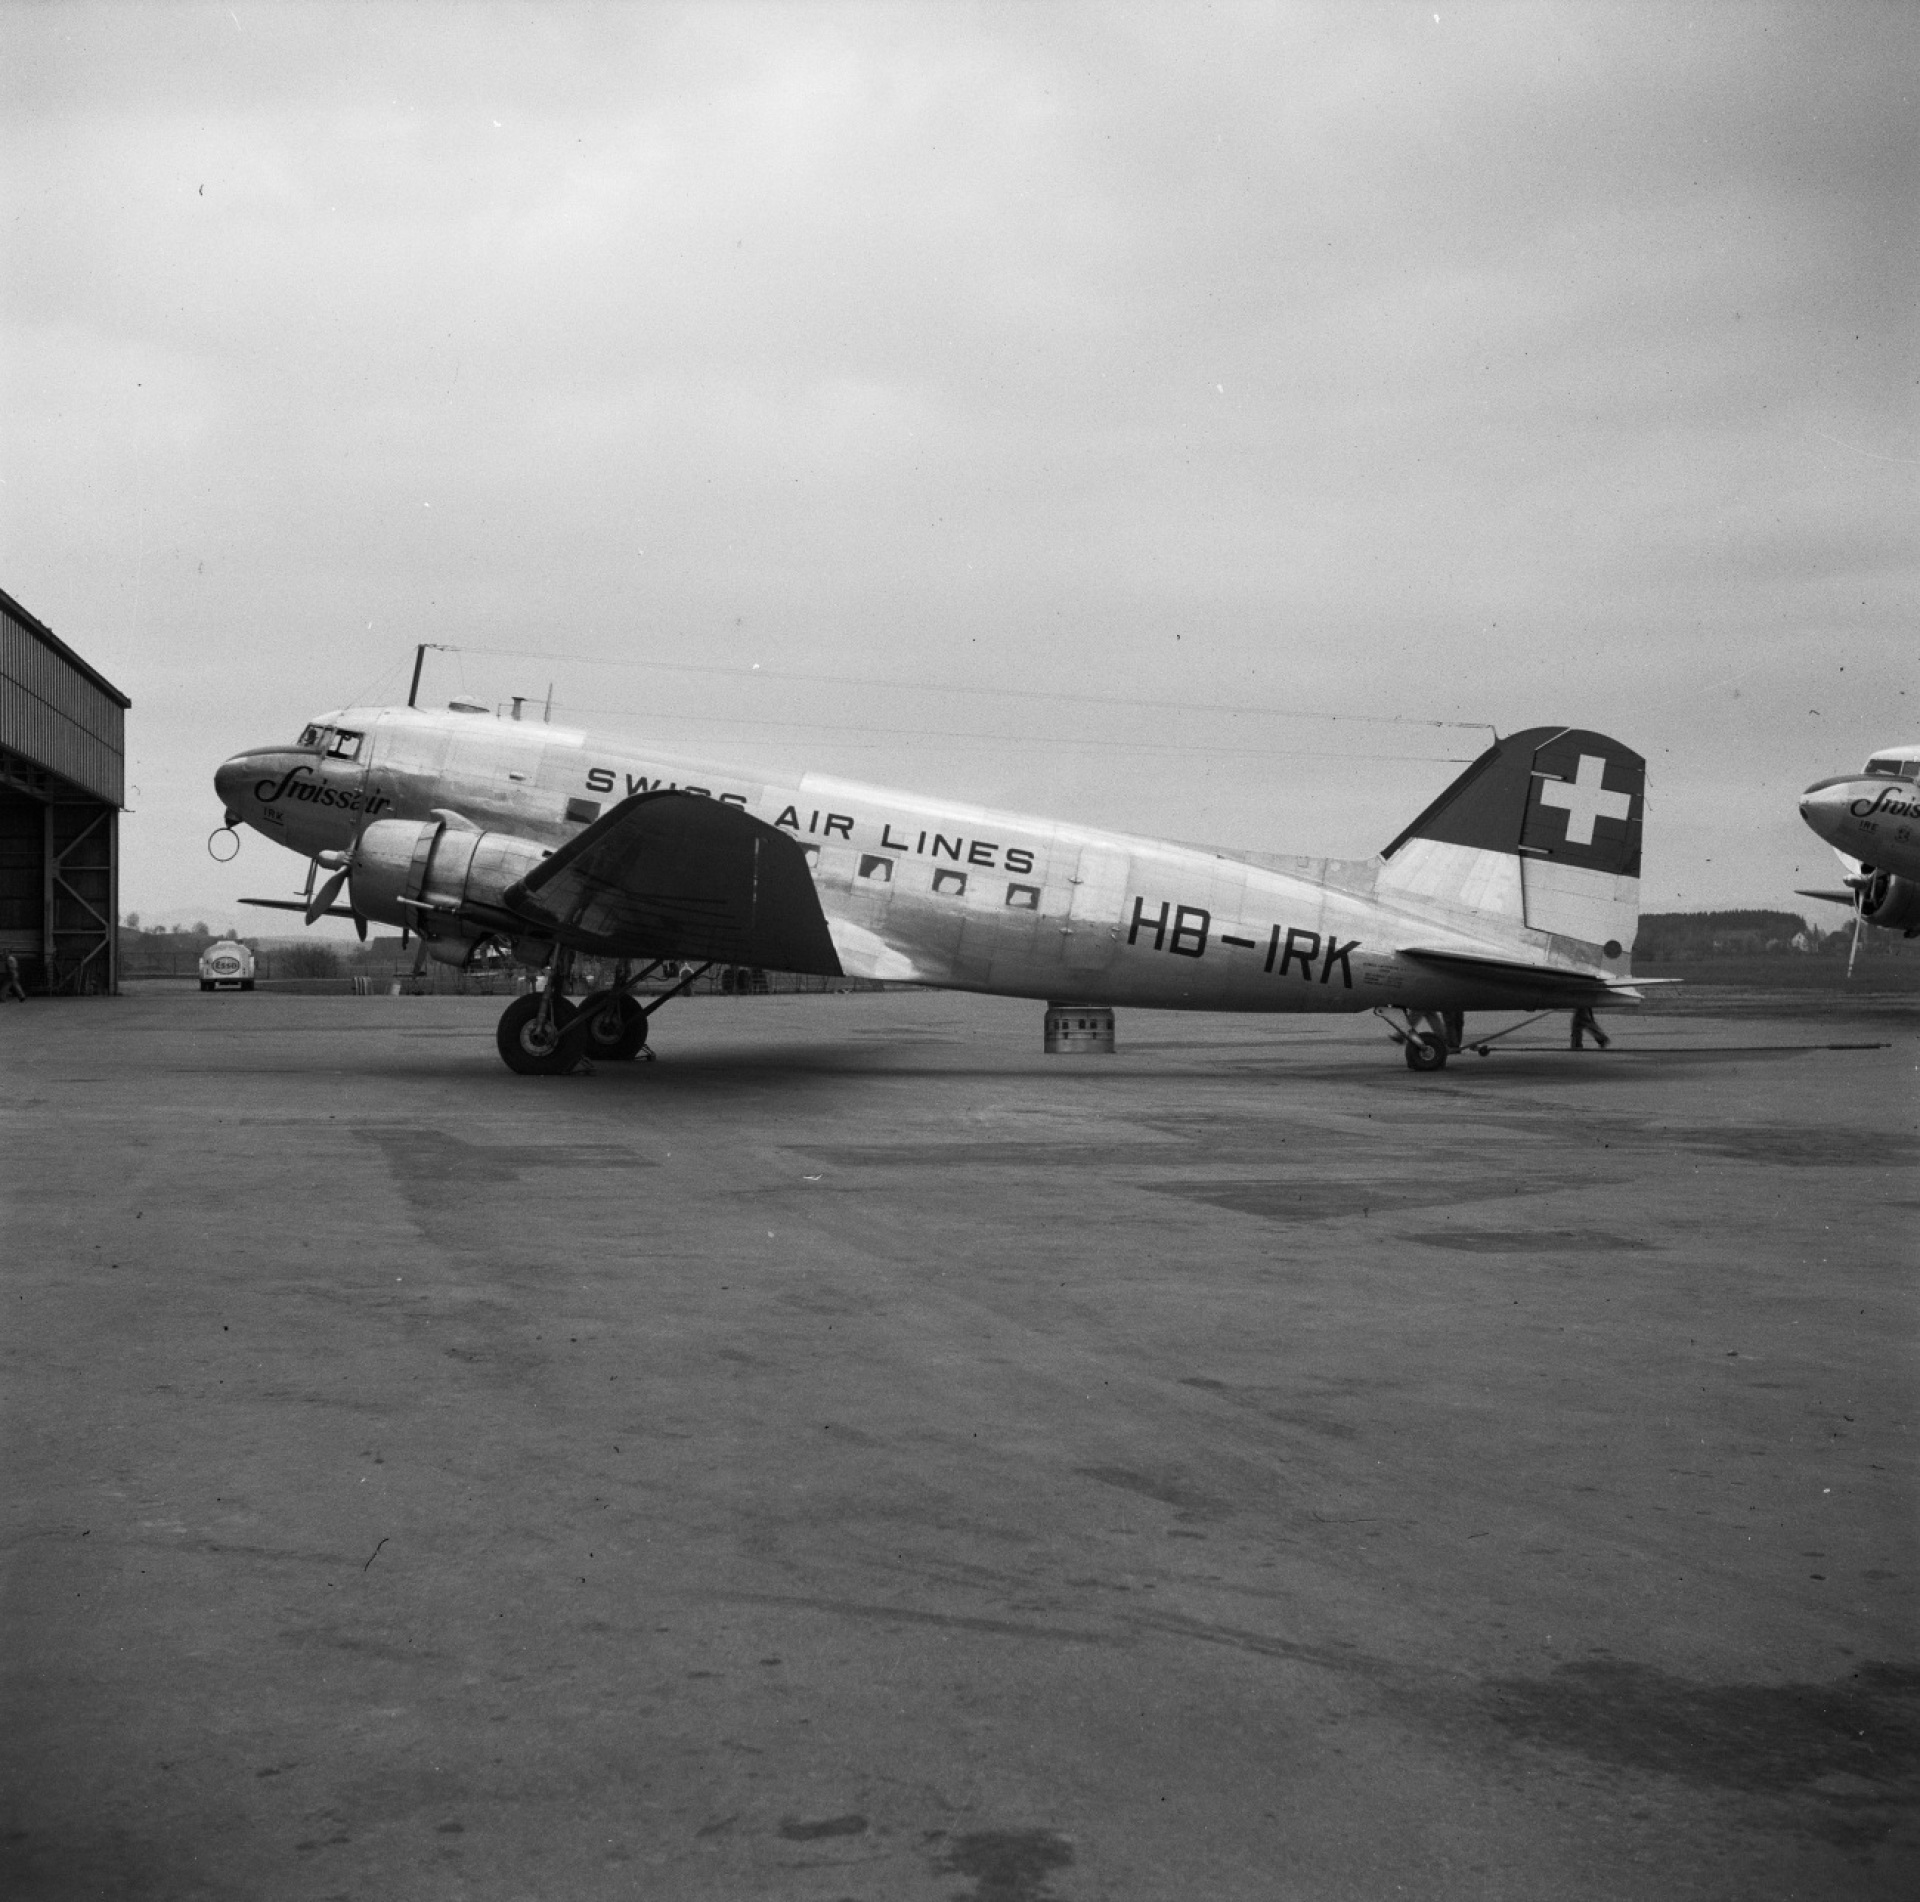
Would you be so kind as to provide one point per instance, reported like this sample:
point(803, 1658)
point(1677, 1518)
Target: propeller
point(340, 864)
point(1861, 887)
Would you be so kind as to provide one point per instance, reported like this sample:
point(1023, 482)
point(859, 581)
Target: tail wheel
point(618, 1031)
point(1426, 1052)
point(528, 1046)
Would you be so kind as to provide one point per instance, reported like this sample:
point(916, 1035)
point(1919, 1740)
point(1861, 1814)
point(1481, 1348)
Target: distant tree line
point(176, 952)
point(1665, 937)
point(1679, 936)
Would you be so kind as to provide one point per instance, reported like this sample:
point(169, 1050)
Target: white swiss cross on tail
point(1585, 799)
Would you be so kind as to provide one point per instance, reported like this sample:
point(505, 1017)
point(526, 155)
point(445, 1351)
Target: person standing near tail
point(1585, 1023)
point(12, 987)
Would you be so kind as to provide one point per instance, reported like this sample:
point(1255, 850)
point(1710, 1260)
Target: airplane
point(1516, 889)
point(1872, 820)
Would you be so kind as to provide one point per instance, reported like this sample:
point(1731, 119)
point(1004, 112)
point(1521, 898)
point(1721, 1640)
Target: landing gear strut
point(529, 1034)
point(1431, 1036)
point(1427, 1039)
point(532, 1028)
point(544, 1034)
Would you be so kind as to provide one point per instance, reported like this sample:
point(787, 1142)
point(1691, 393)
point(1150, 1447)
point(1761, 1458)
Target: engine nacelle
point(425, 874)
point(1891, 902)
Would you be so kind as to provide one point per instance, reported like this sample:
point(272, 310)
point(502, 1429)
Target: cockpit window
point(334, 741)
point(1894, 768)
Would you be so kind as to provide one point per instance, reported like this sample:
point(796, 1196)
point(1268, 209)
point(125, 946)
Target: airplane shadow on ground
point(677, 1070)
point(927, 1056)
point(1530, 1067)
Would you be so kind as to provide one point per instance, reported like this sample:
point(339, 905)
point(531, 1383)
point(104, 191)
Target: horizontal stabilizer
point(1544, 981)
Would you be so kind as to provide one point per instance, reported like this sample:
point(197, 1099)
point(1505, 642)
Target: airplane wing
point(1856, 875)
point(674, 875)
point(1542, 982)
point(298, 904)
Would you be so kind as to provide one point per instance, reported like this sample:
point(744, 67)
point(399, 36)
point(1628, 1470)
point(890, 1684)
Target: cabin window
point(1023, 897)
point(872, 865)
point(582, 811)
point(953, 884)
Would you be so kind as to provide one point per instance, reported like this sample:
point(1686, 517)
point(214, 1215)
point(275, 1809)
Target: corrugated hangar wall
point(62, 784)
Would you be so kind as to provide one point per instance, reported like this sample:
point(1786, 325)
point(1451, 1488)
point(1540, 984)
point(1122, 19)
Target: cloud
point(1544, 362)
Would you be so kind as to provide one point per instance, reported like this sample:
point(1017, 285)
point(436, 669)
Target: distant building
point(62, 786)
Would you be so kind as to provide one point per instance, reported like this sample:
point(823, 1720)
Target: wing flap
point(674, 875)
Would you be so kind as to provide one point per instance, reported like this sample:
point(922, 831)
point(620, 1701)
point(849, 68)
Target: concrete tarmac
point(858, 1456)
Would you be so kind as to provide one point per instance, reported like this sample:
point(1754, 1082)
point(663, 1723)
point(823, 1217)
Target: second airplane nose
point(1824, 807)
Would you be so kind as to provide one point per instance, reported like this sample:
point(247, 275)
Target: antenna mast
point(419, 659)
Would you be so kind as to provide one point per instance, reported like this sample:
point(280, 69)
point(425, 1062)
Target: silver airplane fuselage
point(923, 890)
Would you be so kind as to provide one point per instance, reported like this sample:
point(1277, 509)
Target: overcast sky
point(1500, 364)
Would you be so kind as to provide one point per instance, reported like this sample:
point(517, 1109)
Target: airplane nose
point(249, 779)
point(229, 781)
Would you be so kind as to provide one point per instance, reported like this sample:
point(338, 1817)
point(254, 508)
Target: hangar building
point(62, 784)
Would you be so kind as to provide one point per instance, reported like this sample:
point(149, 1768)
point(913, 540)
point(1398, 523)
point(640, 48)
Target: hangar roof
point(57, 714)
point(48, 638)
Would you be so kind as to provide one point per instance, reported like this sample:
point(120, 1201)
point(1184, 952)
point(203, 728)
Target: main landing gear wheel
point(528, 1046)
point(617, 1030)
point(1426, 1052)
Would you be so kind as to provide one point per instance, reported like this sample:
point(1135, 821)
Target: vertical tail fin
point(1541, 832)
